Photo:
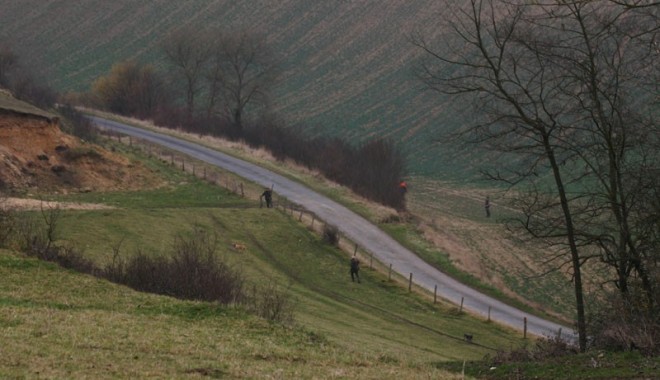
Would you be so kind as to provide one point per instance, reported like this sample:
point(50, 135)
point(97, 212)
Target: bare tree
point(188, 51)
point(8, 62)
point(240, 73)
point(556, 87)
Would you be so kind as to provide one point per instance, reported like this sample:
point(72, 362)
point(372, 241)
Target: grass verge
point(56, 323)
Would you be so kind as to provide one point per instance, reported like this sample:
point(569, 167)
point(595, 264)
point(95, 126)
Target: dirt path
point(359, 230)
point(36, 204)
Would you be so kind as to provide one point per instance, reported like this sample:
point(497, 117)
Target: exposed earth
point(36, 158)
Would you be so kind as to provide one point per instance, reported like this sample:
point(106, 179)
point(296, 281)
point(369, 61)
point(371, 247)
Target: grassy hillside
point(346, 66)
point(57, 323)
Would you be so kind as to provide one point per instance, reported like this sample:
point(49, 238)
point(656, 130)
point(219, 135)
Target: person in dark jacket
point(355, 269)
point(268, 196)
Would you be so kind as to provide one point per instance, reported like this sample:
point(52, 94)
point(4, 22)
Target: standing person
point(403, 188)
point(355, 269)
point(268, 196)
point(487, 207)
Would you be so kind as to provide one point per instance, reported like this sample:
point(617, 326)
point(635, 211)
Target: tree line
point(218, 83)
point(568, 92)
point(21, 81)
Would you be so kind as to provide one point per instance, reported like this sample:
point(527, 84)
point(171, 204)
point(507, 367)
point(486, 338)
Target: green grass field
point(56, 323)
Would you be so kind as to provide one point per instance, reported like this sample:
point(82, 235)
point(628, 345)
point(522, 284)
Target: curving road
point(359, 230)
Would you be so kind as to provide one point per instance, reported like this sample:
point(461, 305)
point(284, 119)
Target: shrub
point(39, 241)
point(331, 234)
point(25, 87)
point(36, 239)
point(626, 322)
point(194, 271)
point(71, 258)
point(545, 348)
point(130, 89)
point(77, 124)
point(7, 221)
point(271, 303)
point(78, 153)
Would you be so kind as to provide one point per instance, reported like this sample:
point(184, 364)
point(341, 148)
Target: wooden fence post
point(355, 250)
point(371, 261)
point(488, 313)
point(525, 328)
point(461, 309)
point(435, 294)
point(410, 283)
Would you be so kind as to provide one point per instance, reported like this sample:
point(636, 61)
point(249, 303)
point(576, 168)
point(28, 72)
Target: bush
point(7, 221)
point(270, 303)
point(77, 124)
point(78, 153)
point(37, 239)
point(194, 271)
point(25, 87)
point(130, 89)
point(626, 323)
point(331, 234)
point(545, 348)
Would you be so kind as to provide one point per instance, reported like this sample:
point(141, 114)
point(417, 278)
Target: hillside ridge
point(346, 67)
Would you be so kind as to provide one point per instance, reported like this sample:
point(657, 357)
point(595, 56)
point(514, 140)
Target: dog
point(239, 247)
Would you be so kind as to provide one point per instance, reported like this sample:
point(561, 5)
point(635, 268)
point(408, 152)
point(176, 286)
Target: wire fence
point(235, 185)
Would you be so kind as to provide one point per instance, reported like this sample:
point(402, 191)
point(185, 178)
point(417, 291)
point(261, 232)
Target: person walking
point(268, 196)
point(355, 269)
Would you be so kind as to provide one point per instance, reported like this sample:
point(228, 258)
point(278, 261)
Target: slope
point(70, 324)
point(347, 67)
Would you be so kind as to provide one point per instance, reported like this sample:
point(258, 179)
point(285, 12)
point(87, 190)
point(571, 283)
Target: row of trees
point(20, 80)
point(568, 88)
point(221, 73)
point(214, 81)
point(214, 74)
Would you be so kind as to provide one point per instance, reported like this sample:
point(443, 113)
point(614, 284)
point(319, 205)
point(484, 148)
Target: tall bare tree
point(187, 50)
point(240, 73)
point(565, 86)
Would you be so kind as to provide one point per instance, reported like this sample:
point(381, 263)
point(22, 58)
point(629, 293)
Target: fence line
point(214, 176)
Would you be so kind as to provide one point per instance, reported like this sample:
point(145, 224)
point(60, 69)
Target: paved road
point(359, 230)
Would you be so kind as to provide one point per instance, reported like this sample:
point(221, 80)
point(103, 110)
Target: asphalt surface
point(359, 230)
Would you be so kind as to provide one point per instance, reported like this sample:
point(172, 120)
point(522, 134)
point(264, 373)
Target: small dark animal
point(468, 337)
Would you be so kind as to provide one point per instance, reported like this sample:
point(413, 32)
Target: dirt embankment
point(36, 157)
